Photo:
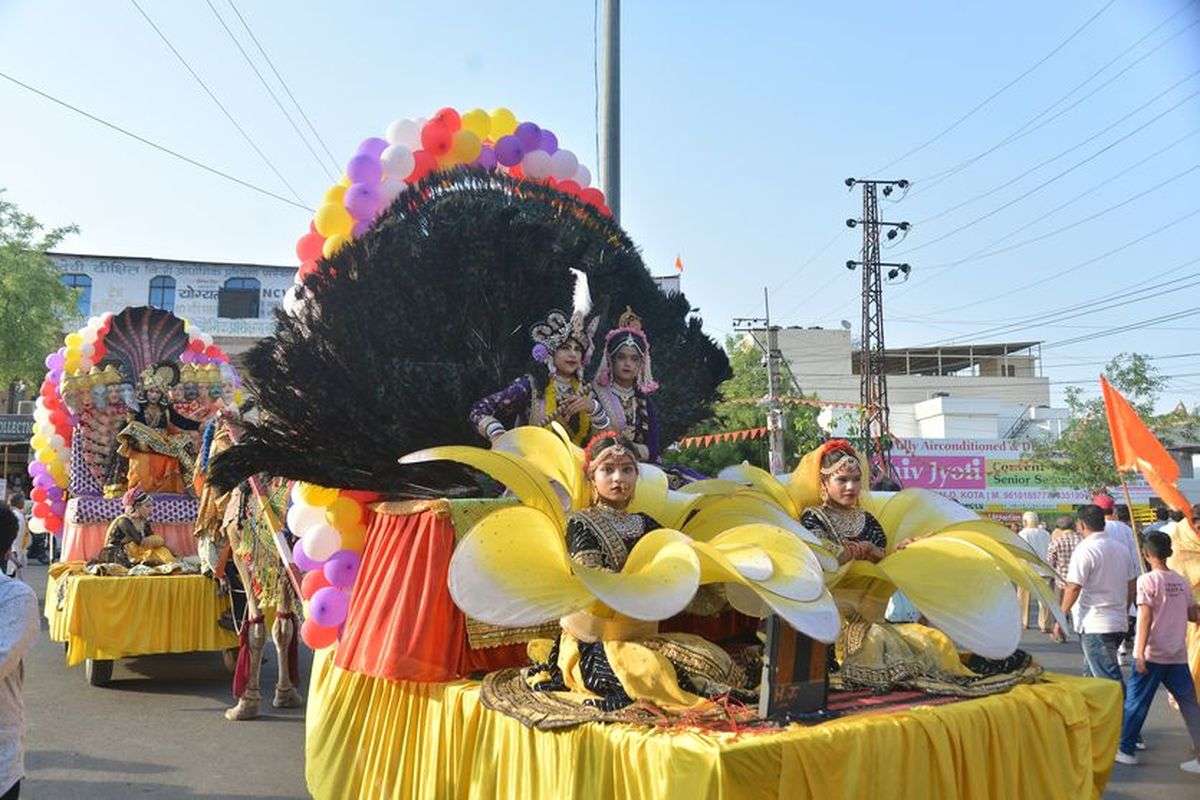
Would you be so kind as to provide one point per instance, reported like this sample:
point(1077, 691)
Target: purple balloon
point(487, 157)
point(363, 200)
point(548, 141)
point(529, 134)
point(509, 151)
point(372, 147)
point(364, 168)
point(328, 607)
point(54, 494)
point(342, 568)
point(55, 375)
point(44, 481)
point(301, 558)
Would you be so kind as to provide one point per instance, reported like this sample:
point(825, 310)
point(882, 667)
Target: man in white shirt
point(1038, 538)
point(1117, 519)
point(1103, 579)
point(18, 630)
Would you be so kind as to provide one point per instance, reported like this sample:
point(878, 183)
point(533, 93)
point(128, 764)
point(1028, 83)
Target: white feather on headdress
point(581, 300)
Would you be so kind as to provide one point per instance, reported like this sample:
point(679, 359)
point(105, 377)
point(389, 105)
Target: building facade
point(234, 303)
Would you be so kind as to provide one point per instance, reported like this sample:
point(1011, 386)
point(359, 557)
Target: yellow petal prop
point(711, 487)
point(745, 508)
point(762, 481)
point(1018, 571)
point(546, 451)
point(659, 579)
point(962, 591)
point(915, 512)
point(654, 497)
point(512, 569)
point(529, 485)
point(796, 572)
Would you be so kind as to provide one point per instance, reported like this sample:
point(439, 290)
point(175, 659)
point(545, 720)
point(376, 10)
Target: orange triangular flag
point(1135, 447)
point(678, 264)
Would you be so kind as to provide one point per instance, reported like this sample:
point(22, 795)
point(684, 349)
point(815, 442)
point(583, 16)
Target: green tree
point(1083, 456)
point(33, 301)
point(738, 409)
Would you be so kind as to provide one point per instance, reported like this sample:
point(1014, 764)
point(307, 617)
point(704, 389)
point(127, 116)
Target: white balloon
point(57, 441)
point(583, 177)
point(391, 188)
point(293, 300)
point(536, 164)
point(87, 349)
point(208, 340)
point(321, 541)
point(406, 132)
point(397, 161)
point(302, 518)
point(563, 165)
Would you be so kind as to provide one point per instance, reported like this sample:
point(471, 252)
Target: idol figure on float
point(153, 442)
point(624, 383)
point(130, 539)
point(564, 345)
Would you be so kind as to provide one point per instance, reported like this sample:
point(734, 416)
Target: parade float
point(117, 433)
point(504, 618)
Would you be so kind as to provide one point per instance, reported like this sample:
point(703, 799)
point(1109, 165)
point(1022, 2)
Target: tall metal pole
point(609, 101)
point(773, 360)
point(873, 415)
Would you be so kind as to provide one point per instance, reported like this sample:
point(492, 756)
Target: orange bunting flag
point(1135, 447)
point(678, 264)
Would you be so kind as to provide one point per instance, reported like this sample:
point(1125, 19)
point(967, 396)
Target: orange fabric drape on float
point(402, 623)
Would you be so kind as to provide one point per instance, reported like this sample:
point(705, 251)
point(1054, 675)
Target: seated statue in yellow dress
point(611, 659)
point(130, 539)
point(155, 441)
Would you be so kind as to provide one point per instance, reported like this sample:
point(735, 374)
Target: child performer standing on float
point(624, 384)
point(565, 347)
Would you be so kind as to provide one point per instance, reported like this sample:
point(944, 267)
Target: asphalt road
point(158, 732)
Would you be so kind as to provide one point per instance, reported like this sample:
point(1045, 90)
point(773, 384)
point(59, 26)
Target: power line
point(1046, 214)
point(935, 179)
point(807, 262)
point(321, 164)
point(1078, 266)
point(1133, 326)
point(1123, 138)
point(155, 145)
point(1068, 226)
point(213, 97)
point(284, 84)
point(996, 93)
point(1069, 150)
point(954, 383)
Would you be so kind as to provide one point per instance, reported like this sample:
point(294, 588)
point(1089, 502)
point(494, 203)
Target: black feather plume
point(404, 328)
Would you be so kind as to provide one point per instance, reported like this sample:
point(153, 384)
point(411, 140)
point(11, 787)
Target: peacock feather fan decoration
point(143, 337)
point(400, 331)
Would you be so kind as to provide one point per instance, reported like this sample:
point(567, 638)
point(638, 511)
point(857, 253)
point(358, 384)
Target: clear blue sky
point(740, 122)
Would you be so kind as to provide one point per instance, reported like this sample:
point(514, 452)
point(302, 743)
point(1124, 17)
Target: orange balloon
point(312, 581)
point(354, 539)
point(317, 636)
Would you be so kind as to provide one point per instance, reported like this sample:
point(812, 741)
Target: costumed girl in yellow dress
point(130, 539)
point(610, 659)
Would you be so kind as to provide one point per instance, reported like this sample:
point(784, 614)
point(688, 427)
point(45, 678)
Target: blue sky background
point(740, 122)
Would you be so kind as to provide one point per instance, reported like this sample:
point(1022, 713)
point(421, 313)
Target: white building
point(974, 391)
point(234, 303)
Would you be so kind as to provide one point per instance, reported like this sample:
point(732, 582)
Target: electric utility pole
point(773, 358)
point(608, 101)
point(873, 414)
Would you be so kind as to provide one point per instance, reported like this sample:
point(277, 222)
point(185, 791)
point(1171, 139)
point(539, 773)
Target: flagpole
point(1129, 504)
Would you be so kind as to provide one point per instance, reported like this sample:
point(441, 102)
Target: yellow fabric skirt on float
point(117, 617)
point(370, 737)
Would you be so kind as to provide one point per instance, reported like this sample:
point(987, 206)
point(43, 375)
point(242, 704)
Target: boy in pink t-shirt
point(1165, 605)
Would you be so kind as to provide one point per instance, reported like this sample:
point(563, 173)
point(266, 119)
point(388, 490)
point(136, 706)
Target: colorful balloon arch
point(76, 366)
point(413, 148)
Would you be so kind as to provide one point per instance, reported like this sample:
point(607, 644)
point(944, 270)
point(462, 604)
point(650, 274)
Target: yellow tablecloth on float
point(117, 617)
point(373, 738)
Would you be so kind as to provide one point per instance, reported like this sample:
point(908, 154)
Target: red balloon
point(38, 495)
point(605, 210)
point(212, 351)
point(58, 418)
point(423, 164)
point(309, 246)
point(317, 636)
point(99, 351)
point(436, 138)
point(312, 582)
point(448, 118)
point(196, 346)
point(570, 187)
point(308, 268)
point(515, 171)
point(54, 523)
point(361, 495)
point(40, 510)
point(593, 196)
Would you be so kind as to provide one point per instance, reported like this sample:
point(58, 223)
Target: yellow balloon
point(316, 495)
point(354, 538)
point(45, 455)
point(336, 194)
point(504, 122)
point(344, 181)
point(477, 122)
point(344, 512)
point(74, 341)
point(38, 442)
point(465, 147)
point(332, 219)
point(333, 244)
